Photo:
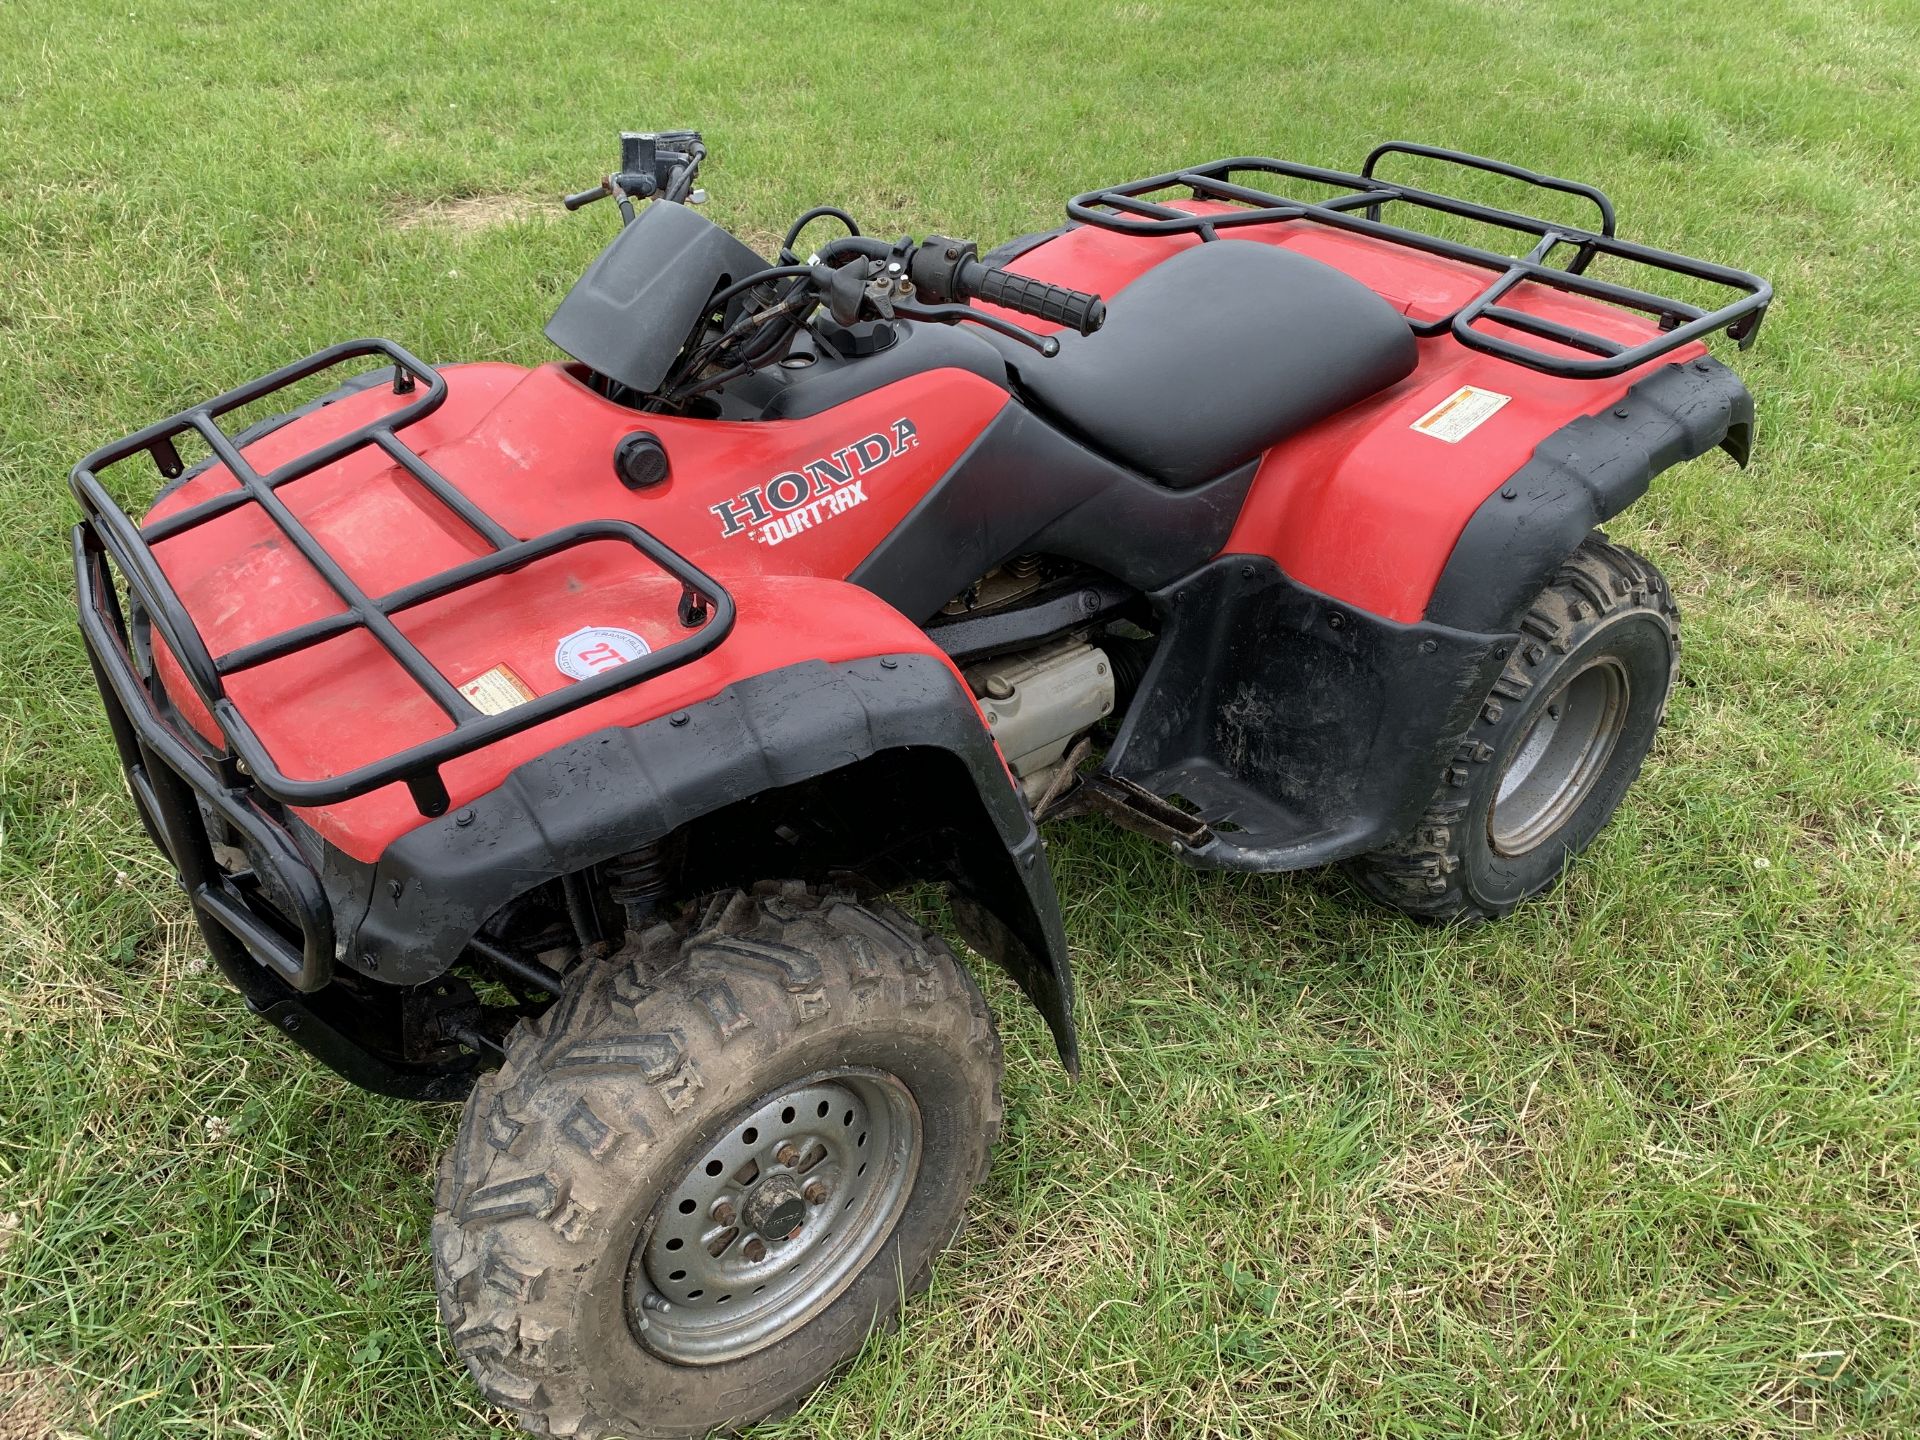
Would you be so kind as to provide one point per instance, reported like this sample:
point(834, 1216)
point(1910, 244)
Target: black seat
point(1215, 354)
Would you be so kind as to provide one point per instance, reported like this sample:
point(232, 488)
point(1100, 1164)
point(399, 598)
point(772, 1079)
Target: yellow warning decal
point(498, 690)
point(1460, 414)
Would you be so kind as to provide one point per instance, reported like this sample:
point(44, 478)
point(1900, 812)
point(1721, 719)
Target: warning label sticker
point(498, 690)
point(1461, 413)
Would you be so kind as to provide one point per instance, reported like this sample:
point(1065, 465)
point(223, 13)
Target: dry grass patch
point(471, 214)
point(32, 1406)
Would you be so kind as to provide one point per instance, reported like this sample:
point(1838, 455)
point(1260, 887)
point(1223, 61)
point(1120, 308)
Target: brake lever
point(623, 187)
point(583, 198)
point(947, 312)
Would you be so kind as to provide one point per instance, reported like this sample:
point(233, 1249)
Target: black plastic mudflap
point(1586, 472)
point(1295, 729)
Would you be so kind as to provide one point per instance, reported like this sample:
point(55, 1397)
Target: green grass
point(1642, 1161)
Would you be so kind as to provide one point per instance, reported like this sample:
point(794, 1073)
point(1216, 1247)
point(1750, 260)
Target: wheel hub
point(776, 1219)
point(775, 1209)
point(1560, 758)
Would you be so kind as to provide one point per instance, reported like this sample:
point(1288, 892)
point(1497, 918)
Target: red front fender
point(782, 620)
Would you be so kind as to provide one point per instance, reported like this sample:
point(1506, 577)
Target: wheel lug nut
point(724, 1212)
point(815, 1192)
point(787, 1155)
point(756, 1250)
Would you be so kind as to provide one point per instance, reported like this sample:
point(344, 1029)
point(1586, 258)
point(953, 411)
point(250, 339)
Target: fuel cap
point(640, 460)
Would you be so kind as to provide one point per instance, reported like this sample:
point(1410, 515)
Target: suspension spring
point(639, 880)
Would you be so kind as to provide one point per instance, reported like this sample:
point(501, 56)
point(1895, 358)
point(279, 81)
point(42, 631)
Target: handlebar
point(860, 278)
point(944, 269)
point(1075, 309)
point(750, 322)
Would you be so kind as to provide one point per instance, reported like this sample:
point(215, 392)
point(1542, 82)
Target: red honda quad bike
point(548, 736)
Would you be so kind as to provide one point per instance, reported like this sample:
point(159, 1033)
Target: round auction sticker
point(596, 650)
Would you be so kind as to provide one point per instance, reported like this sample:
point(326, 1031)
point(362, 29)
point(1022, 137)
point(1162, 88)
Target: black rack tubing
point(1503, 219)
point(165, 610)
point(1591, 193)
point(469, 735)
point(476, 519)
point(116, 537)
point(122, 540)
point(1739, 318)
point(300, 465)
point(404, 652)
point(156, 758)
point(501, 562)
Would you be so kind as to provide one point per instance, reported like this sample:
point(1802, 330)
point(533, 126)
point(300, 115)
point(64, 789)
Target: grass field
point(1642, 1161)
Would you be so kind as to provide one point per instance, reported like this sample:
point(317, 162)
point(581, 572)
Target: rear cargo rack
point(1128, 210)
point(108, 534)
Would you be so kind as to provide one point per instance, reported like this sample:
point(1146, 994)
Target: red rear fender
point(1368, 505)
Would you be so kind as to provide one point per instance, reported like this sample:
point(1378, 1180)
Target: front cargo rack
point(1128, 210)
point(107, 534)
point(192, 800)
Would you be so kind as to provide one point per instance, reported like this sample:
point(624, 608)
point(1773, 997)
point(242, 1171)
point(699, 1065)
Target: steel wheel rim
point(717, 1275)
point(1561, 757)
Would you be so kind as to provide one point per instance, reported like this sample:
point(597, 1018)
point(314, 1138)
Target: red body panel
point(1361, 506)
point(364, 704)
point(534, 449)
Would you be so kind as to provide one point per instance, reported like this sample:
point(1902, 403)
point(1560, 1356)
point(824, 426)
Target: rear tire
point(639, 1130)
point(1554, 748)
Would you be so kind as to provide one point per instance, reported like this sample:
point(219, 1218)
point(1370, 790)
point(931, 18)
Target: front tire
point(1554, 748)
point(714, 1166)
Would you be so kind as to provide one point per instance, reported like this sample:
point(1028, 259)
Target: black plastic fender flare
point(406, 918)
point(1586, 472)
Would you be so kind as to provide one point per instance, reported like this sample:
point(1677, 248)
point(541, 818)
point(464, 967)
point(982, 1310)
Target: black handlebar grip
point(585, 197)
point(1074, 309)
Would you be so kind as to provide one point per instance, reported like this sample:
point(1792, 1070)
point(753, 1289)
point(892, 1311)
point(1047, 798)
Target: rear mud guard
point(1581, 475)
point(1297, 730)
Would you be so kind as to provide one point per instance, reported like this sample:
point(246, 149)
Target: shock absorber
point(1130, 658)
point(638, 880)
